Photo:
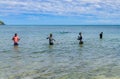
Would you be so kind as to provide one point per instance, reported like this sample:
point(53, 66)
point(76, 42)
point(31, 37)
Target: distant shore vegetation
point(2, 23)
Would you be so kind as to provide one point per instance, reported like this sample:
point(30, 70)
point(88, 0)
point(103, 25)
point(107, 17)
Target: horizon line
point(61, 25)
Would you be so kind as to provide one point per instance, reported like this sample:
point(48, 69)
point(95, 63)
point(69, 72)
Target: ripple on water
point(84, 76)
point(64, 32)
point(44, 51)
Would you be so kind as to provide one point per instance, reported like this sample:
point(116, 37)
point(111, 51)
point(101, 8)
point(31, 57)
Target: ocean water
point(66, 59)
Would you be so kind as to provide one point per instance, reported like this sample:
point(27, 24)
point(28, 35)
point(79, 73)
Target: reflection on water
point(16, 48)
point(50, 46)
point(66, 59)
point(81, 45)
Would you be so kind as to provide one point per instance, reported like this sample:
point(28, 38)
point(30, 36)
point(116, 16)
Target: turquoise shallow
point(35, 59)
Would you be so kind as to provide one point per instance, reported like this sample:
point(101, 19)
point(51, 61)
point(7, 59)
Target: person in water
point(101, 35)
point(51, 40)
point(15, 39)
point(80, 38)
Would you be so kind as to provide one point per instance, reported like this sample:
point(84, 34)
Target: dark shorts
point(81, 42)
point(51, 43)
point(15, 44)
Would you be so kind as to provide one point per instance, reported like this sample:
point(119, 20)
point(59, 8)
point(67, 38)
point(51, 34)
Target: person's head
point(80, 33)
point(15, 34)
point(50, 34)
point(101, 32)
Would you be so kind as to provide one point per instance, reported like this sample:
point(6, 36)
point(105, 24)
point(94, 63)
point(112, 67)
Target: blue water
point(35, 59)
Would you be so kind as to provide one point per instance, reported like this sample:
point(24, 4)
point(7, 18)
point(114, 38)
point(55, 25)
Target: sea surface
point(66, 59)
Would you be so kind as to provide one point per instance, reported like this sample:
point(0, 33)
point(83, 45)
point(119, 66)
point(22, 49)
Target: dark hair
point(80, 33)
point(15, 34)
point(50, 34)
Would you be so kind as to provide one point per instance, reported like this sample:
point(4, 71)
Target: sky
point(60, 12)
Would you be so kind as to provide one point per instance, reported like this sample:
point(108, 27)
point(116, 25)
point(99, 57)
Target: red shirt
point(16, 39)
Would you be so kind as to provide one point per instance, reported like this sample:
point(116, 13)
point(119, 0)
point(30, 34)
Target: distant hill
point(2, 23)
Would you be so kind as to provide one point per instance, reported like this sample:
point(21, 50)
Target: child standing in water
point(15, 39)
point(51, 40)
point(80, 38)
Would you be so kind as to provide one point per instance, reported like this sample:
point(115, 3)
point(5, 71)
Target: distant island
point(2, 23)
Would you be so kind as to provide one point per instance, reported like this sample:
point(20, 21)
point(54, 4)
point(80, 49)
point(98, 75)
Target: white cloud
point(98, 8)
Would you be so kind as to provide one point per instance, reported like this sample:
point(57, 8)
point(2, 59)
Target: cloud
point(95, 8)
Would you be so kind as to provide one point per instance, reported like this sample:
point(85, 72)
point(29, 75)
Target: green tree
point(2, 23)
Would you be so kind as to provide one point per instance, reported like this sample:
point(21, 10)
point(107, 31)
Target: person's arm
point(13, 38)
point(18, 38)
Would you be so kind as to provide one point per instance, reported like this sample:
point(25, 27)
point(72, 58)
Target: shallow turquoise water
point(35, 59)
